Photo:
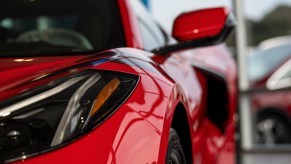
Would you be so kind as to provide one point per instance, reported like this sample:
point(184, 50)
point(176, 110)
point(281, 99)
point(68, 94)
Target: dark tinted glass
point(55, 27)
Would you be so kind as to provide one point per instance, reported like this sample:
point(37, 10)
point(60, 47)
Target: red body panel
point(17, 73)
point(138, 131)
point(125, 131)
point(208, 141)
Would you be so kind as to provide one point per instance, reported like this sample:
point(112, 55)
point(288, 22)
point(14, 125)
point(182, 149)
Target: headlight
point(60, 111)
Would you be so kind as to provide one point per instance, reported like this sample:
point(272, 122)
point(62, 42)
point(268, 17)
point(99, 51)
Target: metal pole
point(244, 103)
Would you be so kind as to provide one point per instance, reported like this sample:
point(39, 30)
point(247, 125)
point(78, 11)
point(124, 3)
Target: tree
point(274, 23)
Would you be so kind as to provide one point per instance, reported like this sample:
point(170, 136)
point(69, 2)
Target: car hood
point(16, 72)
point(18, 75)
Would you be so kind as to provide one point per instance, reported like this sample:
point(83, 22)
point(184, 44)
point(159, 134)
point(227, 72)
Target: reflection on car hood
point(15, 72)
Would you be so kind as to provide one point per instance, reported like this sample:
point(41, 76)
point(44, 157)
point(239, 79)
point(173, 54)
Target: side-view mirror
point(200, 24)
point(201, 28)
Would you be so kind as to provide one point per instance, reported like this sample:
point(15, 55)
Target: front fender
point(138, 131)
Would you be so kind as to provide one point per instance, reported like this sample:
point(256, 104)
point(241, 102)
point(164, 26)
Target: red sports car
point(269, 73)
point(100, 82)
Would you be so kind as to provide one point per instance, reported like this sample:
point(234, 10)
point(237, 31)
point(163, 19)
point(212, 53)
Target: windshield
point(32, 28)
point(262, 62)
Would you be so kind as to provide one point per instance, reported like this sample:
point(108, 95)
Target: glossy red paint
point(208, 146)
point(138, 131)
point(129, 133)
point(199, 24)
point(19, 71)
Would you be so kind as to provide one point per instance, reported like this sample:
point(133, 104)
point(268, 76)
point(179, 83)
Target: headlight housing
point(54, 114)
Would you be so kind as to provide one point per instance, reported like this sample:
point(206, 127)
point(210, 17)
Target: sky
point(166, 10)
point(256, 9)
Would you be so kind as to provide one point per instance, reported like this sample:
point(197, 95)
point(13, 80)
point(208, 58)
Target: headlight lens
point(60, 111)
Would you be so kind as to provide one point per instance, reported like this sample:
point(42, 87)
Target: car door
point(190, 70)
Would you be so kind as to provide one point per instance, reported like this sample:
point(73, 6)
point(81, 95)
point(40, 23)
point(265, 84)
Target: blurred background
point(261, 44)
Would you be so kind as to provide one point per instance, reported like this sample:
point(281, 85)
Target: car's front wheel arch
point(181, 125)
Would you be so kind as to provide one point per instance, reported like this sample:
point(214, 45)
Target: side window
point(151, 33)
point(149, 39)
